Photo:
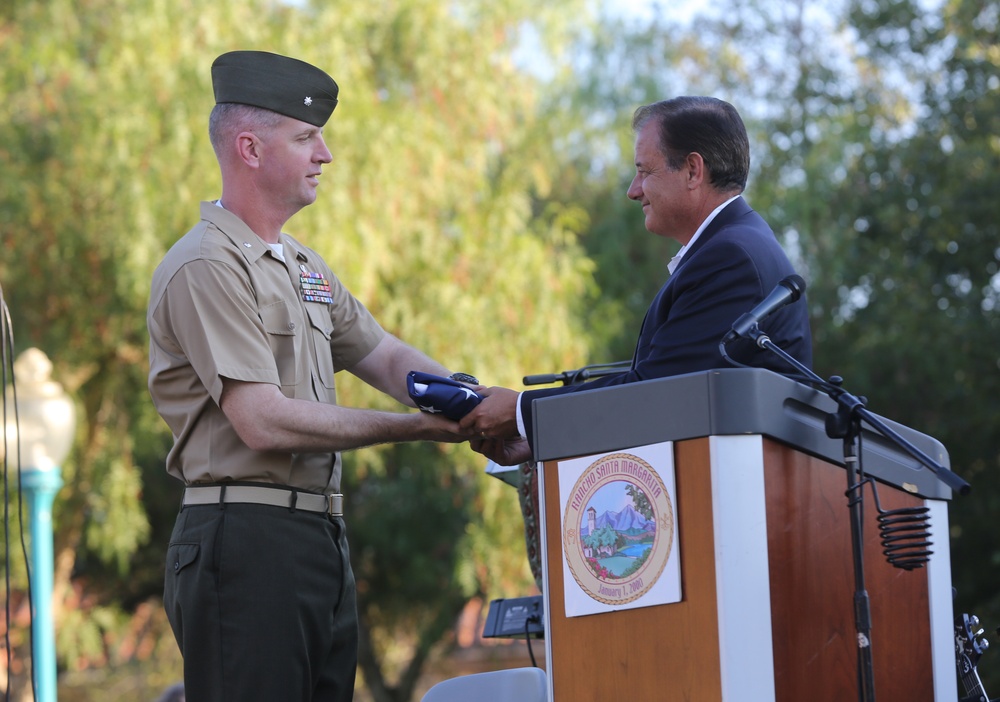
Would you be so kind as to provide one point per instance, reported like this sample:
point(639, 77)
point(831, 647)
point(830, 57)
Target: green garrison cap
point(278, 83)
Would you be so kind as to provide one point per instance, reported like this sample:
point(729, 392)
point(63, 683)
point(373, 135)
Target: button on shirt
point(223, 304)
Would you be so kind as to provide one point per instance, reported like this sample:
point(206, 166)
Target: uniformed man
point(247, 329)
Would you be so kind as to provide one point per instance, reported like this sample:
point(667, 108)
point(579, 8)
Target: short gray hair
point(230, 118)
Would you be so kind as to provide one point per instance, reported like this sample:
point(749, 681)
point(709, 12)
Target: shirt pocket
point(285, 339)
point(321, 327)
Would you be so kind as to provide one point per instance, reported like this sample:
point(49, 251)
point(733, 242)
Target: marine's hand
point(495, 417)
point(437, 427)
point(506, 452)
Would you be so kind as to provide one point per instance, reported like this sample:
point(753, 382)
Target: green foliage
point(406, 531)
point(927, 301)
point(618, 67)
point(641, 501)
point(603, 538)
point(116, 539)
point(636, 564)
point(82, 634)
point(480, 212)
point(427, 213)
point(875, 159)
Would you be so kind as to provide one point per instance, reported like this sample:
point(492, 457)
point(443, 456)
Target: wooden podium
point(766, 567)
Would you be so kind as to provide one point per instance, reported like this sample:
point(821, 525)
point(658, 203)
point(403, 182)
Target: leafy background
point(476, 204)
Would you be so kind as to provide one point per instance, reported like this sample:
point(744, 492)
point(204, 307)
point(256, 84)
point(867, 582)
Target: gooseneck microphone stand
point(572, 377)
point(845, 424)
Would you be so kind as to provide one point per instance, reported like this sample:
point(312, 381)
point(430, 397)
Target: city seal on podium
point(618, 528)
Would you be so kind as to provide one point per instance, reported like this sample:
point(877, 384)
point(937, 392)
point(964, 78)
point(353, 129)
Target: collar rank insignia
point(315, 288)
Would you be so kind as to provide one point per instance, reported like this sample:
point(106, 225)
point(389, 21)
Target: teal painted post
point(41, 487)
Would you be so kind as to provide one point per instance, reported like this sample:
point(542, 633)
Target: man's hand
point(495, 417)
point(437, 427)
point(506, 452)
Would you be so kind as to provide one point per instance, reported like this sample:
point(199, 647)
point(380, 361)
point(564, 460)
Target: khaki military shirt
point(223, 304)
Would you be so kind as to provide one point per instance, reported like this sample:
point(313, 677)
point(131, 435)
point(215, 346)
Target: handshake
point(487, 414)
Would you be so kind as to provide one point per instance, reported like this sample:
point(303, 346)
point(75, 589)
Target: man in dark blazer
point(692, 157)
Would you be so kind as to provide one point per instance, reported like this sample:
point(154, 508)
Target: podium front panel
point(628, 654)
point(767, 608)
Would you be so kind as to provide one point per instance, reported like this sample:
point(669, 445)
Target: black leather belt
point(331, 505)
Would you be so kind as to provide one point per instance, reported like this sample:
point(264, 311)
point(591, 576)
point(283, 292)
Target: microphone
point(785, 293)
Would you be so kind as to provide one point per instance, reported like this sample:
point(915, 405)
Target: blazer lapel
point(735, 209)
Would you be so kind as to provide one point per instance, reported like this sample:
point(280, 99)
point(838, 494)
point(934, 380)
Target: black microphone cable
point(4, 347)
point(533, 619)
point(7, 377)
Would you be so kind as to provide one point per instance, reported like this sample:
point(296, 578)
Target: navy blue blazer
point(733, 265)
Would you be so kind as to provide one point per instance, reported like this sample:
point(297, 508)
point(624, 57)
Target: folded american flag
point(435, 394)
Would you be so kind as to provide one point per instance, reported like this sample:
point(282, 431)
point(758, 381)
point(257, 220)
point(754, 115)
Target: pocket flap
point(277, 319)
point(179, 556)
point(319, 316)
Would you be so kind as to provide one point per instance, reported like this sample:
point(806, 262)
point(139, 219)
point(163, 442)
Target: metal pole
point(42, 430)
point(41, 487)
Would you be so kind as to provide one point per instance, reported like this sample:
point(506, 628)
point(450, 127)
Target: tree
point(603, 541)
point(480, 212)
point(615, 66)
point(642, 504)
point(928, 299)
point(453, 187)
point(73, 264)
point(426, 213)
point(875, 160)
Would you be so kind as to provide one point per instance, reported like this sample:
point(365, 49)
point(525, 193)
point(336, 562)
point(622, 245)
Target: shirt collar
point(676, 260)
point(252, 246)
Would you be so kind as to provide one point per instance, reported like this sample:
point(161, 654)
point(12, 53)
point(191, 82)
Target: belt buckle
point(335, 504)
